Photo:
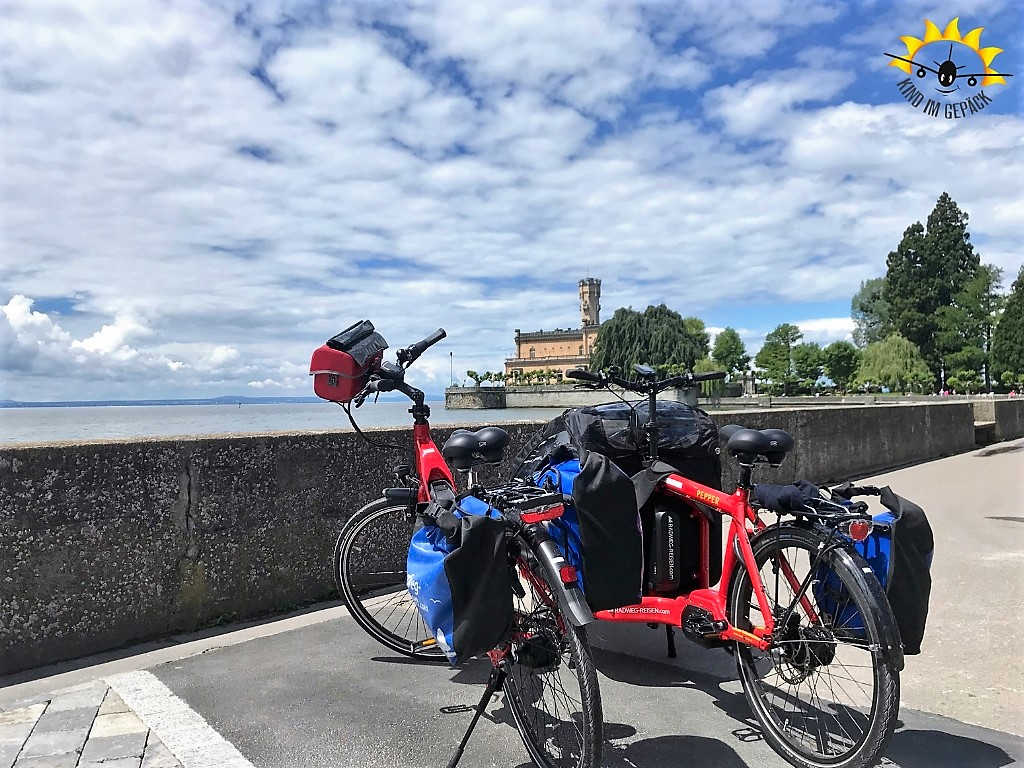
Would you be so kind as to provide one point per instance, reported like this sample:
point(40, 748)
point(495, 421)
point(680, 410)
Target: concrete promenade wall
point(540, 396)
point(102, 544)
point(1006, 415)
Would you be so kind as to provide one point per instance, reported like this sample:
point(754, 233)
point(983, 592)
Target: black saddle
point(747, 445)
point(465, 449)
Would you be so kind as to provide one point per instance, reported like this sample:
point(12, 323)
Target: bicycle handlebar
point(409, 354)
point(641, 386)
point(583, 375)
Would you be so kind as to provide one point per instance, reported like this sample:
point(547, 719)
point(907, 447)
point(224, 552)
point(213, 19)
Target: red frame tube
point(669, 610)
point(430, 464)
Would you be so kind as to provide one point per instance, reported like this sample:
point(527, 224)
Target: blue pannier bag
point(565, 530)
point(458, 573)
point(899, 551)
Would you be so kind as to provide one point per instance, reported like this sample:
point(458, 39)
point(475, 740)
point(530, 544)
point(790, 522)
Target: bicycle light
point(858, 530)
point(545, 513)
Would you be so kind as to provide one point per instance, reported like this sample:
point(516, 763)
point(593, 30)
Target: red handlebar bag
point(341, 367)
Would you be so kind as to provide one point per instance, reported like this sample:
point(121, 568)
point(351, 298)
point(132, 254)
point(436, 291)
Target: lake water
point(36, 425)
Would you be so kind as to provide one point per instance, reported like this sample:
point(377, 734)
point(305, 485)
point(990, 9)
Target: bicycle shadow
point(909, 748)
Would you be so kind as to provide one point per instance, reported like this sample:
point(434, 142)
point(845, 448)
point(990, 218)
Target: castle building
point(562, 348)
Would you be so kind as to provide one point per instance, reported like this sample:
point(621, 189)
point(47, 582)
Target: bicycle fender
point(570, 596)
point(889, 632)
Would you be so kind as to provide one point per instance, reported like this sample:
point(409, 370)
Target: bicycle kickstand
point(494, 682)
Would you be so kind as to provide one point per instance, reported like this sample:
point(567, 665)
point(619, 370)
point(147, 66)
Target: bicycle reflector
point(544, 513)
point(858, 530)
point(567, 574)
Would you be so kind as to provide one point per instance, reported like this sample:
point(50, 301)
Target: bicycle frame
point(669, 610)
point(430, 465)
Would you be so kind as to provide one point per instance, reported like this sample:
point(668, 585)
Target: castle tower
point(590, 301)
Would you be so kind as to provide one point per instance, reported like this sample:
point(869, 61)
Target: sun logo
point(964, 66)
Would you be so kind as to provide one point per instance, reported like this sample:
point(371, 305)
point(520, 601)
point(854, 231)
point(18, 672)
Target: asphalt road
point(328, 695)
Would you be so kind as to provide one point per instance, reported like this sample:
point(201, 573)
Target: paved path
point(314, 690)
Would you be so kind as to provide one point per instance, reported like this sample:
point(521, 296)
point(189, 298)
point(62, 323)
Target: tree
point(658, 336)
point(807, 365)
point(925, 272)
point(1008, 336)
point(840, 360)
point(730, 353)
point(776, 356)
point(476, 377)
point(870, 312)
point(982, 304)
point(895, 363)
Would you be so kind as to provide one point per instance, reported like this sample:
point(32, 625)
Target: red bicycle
point(543, 663)
point(817, 649)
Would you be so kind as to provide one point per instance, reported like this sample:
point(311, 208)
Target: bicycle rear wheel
point(551, 685)
point(369, 571)
point(824, 692)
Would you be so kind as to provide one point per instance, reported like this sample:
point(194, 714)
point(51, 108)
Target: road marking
point(182, 730)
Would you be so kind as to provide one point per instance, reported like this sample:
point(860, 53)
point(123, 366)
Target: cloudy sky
point(195, 195)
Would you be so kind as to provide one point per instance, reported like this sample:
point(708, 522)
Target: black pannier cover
point(910, 585)
point(360, 341)
point(612, 542)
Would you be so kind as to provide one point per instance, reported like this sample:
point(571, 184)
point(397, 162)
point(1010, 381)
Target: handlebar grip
point(583, 375)
point(709, 376)
point(413, 351)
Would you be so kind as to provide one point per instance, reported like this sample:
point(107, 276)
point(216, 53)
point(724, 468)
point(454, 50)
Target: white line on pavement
point(182, 730)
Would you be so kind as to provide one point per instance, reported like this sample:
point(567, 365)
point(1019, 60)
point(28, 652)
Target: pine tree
point(925, 272)
point(1008, 336)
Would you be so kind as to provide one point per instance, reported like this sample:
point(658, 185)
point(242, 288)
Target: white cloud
point(456, 166)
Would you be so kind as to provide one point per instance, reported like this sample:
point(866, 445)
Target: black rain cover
point(911, 582)
point(612, 542)
point(687, 440)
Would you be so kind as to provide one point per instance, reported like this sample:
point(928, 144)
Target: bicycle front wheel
point(551, 683)
point(824, 692)
point(369, 571)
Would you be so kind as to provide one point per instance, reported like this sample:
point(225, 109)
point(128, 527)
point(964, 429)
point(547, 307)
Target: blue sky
point(195, 195)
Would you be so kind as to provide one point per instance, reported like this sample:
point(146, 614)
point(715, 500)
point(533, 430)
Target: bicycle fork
point(494, 682)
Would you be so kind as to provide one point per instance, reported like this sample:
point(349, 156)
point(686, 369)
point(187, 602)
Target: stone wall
point(108, 543)
point(103, 544)
point(474, 397)
point(1007, 416)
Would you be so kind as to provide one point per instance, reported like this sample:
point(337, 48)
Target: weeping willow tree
point(658, 336)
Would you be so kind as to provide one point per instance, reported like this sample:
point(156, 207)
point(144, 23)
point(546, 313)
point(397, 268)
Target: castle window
point(533, 352)
point(581, 350)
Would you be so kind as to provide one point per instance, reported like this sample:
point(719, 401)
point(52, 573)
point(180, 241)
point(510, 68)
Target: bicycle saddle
point(465, 449)
point(747, 445)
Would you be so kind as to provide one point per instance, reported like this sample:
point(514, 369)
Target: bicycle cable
point(385, 446)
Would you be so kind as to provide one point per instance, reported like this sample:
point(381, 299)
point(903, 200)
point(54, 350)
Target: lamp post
point(451, 367)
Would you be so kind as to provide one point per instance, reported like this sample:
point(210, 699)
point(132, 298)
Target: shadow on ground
point(911, 747)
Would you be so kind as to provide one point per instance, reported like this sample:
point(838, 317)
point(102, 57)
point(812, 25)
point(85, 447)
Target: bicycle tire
point(533, 725)
point(387, 613)
point(882, 716)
